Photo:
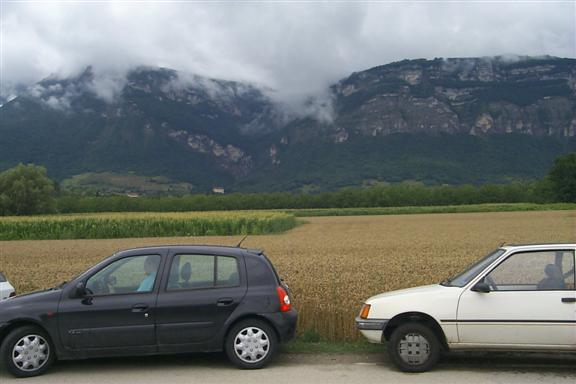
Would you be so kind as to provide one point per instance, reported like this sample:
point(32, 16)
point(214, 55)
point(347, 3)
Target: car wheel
point(251, 344)
point(27, 352)
point(413, 347)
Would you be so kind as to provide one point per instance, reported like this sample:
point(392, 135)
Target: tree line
point(26, 189)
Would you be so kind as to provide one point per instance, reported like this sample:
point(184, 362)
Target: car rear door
point(199, 293)
point(119, 313)
point(531, 303)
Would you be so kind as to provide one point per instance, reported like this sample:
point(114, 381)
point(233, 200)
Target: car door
point(200, 293)
point(119, 311)
point(531, 303)
point(3, 287)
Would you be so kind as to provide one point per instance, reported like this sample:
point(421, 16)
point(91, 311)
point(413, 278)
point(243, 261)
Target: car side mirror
point(481, 286)
point(80, 290)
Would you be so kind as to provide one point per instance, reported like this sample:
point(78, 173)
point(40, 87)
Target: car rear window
point(2, 278)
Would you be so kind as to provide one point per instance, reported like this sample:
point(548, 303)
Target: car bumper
point(285, 324)
point(3, 327)
point(371, 324)
point(372, 329)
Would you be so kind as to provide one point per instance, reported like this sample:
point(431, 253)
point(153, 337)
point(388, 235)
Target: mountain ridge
point(433, 121)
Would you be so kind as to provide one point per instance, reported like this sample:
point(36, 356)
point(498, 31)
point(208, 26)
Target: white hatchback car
point(519, 297)
point(6, 289)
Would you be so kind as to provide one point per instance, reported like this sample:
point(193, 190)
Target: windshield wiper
point(446, 282)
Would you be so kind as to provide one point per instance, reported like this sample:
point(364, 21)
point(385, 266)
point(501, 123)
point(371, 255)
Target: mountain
point(435, 121)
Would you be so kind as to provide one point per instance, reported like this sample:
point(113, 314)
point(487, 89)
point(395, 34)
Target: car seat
point(185, 275)
point(553, 280)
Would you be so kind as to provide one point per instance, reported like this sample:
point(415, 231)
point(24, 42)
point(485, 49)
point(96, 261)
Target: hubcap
point(251, 345)
point(30, 353)
point(414, 349)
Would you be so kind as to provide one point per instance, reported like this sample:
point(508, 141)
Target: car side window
point(128, 275)
point(534, 271)
point(203, 271)
point(227, 272)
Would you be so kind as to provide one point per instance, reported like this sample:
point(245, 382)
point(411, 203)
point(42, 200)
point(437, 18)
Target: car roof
point(538, 246)
point(192, 247)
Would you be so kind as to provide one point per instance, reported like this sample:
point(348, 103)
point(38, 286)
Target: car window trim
point(170, 261)
point(505, 257)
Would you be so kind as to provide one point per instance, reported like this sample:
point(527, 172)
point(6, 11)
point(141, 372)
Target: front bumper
point(372, 329)
point(3, 327)
point(371, 324)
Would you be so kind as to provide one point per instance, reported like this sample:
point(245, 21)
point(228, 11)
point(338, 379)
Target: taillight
point(285, 304)
point(12, 294)
point(364, 312)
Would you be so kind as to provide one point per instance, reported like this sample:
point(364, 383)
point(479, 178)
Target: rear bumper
point(285, 323)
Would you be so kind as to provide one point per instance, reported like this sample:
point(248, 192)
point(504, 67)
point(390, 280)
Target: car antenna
point(503, 244)
point(241, 241)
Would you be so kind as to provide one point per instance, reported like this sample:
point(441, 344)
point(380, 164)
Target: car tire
point(251, 344)
point(27, 352)
point(414, 347)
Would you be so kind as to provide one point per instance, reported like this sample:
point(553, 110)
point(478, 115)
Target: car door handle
point(569, 299)
point(225, 302)
point(140, 308)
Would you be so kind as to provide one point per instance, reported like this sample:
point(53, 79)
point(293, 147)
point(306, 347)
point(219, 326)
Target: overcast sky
point(295, 47)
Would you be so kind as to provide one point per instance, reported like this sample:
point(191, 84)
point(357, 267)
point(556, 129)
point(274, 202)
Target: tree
point(25, 190)
point(562, 178)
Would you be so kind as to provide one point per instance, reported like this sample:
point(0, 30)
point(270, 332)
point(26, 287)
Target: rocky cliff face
point(481, 96)
point(442, 120)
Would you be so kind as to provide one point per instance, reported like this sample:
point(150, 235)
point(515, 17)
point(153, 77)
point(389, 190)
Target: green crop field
point(125, 225)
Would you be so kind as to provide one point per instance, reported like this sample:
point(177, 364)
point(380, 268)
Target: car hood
point(46, 298)
point(425, 289)
point(435, 300)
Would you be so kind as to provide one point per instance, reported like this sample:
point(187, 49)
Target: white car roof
point(538, 246)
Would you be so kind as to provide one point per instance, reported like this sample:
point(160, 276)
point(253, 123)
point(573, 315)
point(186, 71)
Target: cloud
point(295, 48)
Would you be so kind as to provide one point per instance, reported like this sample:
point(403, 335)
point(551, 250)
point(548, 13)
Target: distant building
point(219, 190)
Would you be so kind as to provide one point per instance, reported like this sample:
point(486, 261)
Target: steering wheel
point(491, 283)
point(100, 287)
point(111, 280)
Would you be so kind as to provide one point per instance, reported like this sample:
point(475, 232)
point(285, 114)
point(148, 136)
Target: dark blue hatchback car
point(156, 300)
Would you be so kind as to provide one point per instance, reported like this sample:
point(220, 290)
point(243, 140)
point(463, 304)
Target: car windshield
point(2, 278)
point(473, 270)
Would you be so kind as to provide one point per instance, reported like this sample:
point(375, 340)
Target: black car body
point(100, 313)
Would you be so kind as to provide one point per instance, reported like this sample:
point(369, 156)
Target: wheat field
point(331, 263)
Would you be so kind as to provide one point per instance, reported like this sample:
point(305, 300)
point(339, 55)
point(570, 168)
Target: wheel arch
point(415, 317)
point(18, 323)
point(248, 317)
